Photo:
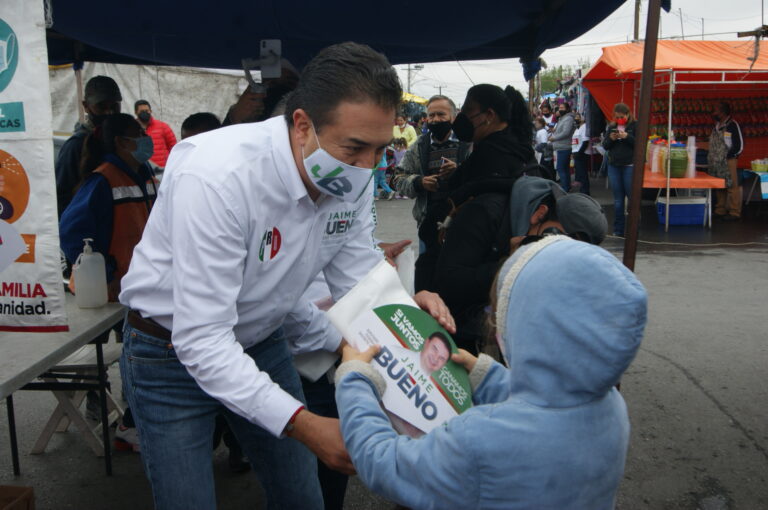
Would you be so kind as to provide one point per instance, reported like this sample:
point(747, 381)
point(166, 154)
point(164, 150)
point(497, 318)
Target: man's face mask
point(144, 116)
point(439, 129)
point(6, 52)
point(96, 119)
point(333, 177)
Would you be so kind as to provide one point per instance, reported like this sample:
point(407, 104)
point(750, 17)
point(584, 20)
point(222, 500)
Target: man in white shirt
point(226, 256)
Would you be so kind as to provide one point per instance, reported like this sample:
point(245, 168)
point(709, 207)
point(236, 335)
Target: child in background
point(550, 431)
point(401, 146)
point(544, 153)
point(380, 179)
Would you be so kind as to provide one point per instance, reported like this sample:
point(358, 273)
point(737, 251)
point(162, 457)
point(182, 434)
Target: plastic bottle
point(90, 275)
point(691, 148)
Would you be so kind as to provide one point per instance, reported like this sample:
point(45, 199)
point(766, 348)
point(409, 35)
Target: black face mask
point(439, 129)
point(96, 120)
point(144, 116)
point(463, 127)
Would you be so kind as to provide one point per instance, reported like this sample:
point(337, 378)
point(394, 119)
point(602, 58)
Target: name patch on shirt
point(270, 244)
point(338, 224)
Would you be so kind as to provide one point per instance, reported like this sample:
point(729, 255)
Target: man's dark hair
point(141, 102)
point(566, 105)
point(725, 107)
point(344, 72)
point(438, 97)
point(200, 122)
point(442, 338)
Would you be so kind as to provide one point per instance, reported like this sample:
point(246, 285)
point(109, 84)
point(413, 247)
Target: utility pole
point(702, 29)
point(409, 78)
point(637, 21)
point(417, 67)
point(682, 32)
point(439, 89)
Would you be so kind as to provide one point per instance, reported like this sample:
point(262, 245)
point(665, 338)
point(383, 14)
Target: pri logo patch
point(270, 244)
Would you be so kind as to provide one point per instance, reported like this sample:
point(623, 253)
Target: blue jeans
point(564, 168)
point(380, 179)
point(175, 421)
point(581, 173)
point(321, 399)
point(620, 178)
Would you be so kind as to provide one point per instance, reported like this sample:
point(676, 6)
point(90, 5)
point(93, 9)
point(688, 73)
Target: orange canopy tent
point(698, 73)
point(615, 77)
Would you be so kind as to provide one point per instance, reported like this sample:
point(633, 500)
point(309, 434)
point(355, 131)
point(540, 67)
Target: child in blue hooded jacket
point(549, 432)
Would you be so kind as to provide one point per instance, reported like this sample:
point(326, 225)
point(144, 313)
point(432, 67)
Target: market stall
point(691, 78)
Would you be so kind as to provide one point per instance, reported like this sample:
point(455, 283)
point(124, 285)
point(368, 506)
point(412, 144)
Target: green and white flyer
point(424, 387)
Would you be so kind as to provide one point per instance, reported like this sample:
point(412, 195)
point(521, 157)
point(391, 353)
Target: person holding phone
point(433, 158)
point(619, 143)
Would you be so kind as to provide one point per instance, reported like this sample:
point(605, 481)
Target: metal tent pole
point(668, 163)
point(641, 134)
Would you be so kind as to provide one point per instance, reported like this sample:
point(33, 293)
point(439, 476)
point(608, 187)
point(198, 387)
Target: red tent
point(700, 73)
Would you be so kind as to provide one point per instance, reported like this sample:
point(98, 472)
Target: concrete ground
point(697, 391)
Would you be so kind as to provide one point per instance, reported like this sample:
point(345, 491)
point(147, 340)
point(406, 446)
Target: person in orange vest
point(111, 206)
point(114, 198)
point(161, 133)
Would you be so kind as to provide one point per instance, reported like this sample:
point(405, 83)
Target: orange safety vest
point(130, 212)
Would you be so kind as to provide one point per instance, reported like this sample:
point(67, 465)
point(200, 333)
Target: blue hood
point(571, 317)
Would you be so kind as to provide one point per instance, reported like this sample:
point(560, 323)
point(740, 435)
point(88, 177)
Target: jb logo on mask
point(338, 186)
point(348, 187)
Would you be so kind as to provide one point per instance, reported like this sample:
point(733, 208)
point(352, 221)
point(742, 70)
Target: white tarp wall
point(173, 92)
point(31, 290)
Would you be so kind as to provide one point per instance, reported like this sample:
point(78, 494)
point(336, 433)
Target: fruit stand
point(691, 77)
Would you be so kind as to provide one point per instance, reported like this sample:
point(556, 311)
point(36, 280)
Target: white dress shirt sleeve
point(357, 256)
point(309, 329)
point(209, 240)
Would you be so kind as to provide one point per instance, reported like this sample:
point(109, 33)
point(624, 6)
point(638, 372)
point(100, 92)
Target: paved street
point(697, 392)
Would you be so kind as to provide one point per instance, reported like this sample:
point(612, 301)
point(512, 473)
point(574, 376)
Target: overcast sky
point(721, 19)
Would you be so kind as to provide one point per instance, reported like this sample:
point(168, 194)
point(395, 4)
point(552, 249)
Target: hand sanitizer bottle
point(90, 276)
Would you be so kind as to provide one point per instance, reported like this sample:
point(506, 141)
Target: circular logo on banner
point(14, 188)
point(9, 54)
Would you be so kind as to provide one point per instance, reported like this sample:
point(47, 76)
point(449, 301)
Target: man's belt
point(148, 326)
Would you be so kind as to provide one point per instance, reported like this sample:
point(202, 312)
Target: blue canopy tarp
point(219, 34)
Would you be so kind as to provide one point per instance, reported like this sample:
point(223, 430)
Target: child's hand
point(349, 353)
point(464, 359)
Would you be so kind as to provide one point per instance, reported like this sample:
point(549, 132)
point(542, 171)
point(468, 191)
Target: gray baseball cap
point(101, 88)
point(580, 214)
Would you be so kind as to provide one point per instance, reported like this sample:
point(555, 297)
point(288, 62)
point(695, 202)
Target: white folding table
point(26, 356)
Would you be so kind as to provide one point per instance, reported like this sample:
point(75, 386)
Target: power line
point(465, 71)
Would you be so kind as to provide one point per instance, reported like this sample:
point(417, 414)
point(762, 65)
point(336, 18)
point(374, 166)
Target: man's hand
point(465, 359)
point(434, 304)
point(614, 135)
point(248, 108)
point(447, 168)
point(429, 182)
point(323, 437)
point(392, 250)
point(623, 135)
point(350, 353)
